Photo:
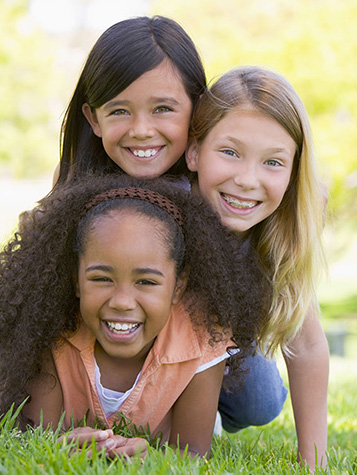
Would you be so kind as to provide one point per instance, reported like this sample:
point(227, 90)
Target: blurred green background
point(43, 44)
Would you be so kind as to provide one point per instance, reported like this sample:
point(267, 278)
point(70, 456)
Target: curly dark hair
point(38, 304)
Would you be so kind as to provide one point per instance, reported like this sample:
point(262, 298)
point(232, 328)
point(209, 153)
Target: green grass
point(267, 450)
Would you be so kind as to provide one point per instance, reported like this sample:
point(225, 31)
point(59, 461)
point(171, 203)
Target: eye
point(230, 152)
point(100, 278)
point(161, 109)
point(272, 162)
point(119, 112)
point(146, 282)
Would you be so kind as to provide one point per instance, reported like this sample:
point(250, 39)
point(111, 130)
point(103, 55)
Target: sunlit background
point(44, 43)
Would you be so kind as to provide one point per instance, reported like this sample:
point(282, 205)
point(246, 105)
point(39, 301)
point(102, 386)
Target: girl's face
point(144, 129)
point(244, 166)
point(126, 283)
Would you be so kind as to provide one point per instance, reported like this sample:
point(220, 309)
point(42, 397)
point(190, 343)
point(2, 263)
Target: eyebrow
point(99, 267)
point(155, 100)
point(140, 270)
point(111, 104)
point(167, 100)
point(148, 270)
point(269, 150)
point(277, 150)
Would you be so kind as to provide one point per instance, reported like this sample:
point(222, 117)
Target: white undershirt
point(112, 401)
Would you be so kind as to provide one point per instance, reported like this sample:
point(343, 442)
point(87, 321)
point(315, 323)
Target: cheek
point(282, 189)
point(159, 307)
point(179, 135)
point(110, 134)
point(90, 301)
point(209, 175)
point(178, 126)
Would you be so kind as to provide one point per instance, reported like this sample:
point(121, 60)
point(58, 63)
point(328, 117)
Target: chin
point(235, 227)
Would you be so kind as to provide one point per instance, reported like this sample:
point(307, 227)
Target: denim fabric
point(258, 400)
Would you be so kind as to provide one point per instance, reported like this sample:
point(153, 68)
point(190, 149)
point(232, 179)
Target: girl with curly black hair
point(121, 295)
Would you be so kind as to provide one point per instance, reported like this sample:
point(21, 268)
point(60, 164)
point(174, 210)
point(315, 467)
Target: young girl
point(119, 297)
point(252, 150)
point(132, 105)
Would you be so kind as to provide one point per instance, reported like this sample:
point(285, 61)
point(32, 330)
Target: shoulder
point(182, 339)
point(213, 344)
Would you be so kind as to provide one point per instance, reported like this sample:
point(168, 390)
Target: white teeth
point(239, 204)
point(122, 327)
point(150, 152)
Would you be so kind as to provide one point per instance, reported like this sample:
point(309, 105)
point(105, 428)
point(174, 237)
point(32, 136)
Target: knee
point(273, 405)
point(251, 409)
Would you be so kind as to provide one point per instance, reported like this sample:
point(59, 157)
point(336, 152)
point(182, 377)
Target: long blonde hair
point(289, 240)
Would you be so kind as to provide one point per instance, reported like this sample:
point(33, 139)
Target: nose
point(141, 127)
point(122, 299)
point(247, 175)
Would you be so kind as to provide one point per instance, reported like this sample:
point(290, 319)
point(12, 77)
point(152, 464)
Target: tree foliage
point(28, 131)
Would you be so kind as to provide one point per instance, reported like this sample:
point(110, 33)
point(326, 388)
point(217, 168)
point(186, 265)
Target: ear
point(192, 153)
point(91, 117)
point(181, 284)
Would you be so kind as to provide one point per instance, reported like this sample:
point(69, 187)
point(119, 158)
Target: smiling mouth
point(240, 204)
point(148, 153)
point(122, 328)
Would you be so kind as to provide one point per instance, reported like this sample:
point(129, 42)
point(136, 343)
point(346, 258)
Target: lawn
point(266, 450)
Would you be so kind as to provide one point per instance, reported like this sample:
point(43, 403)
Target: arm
point(46, 395)
point(194, 412)
point(308, 378)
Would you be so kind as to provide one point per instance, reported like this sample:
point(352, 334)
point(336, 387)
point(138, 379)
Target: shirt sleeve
point(216, 360)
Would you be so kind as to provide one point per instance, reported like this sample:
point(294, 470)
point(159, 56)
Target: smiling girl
point(112, 302)
point(248, 159)
point(252, 150)
point(131, 108)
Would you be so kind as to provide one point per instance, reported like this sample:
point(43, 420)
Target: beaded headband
point(142, 194)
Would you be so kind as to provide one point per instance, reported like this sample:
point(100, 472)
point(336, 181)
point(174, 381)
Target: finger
point(87, 435)
point(131, 447)
point(106, 444)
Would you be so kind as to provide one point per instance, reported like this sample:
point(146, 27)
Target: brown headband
point(142, 194)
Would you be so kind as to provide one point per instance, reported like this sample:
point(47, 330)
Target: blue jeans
point(258, 400)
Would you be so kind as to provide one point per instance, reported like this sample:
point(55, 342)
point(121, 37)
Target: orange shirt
point(178, 351)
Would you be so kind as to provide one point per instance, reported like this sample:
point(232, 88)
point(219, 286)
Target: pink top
point(178, 351)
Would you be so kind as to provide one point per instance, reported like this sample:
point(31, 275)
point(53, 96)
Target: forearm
point(308, 378)
point(194, 413)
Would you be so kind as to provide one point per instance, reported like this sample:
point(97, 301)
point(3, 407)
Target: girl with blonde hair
point(251, 147)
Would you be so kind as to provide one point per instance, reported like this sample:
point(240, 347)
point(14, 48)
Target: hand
point(104, 439)
point(128, 447)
